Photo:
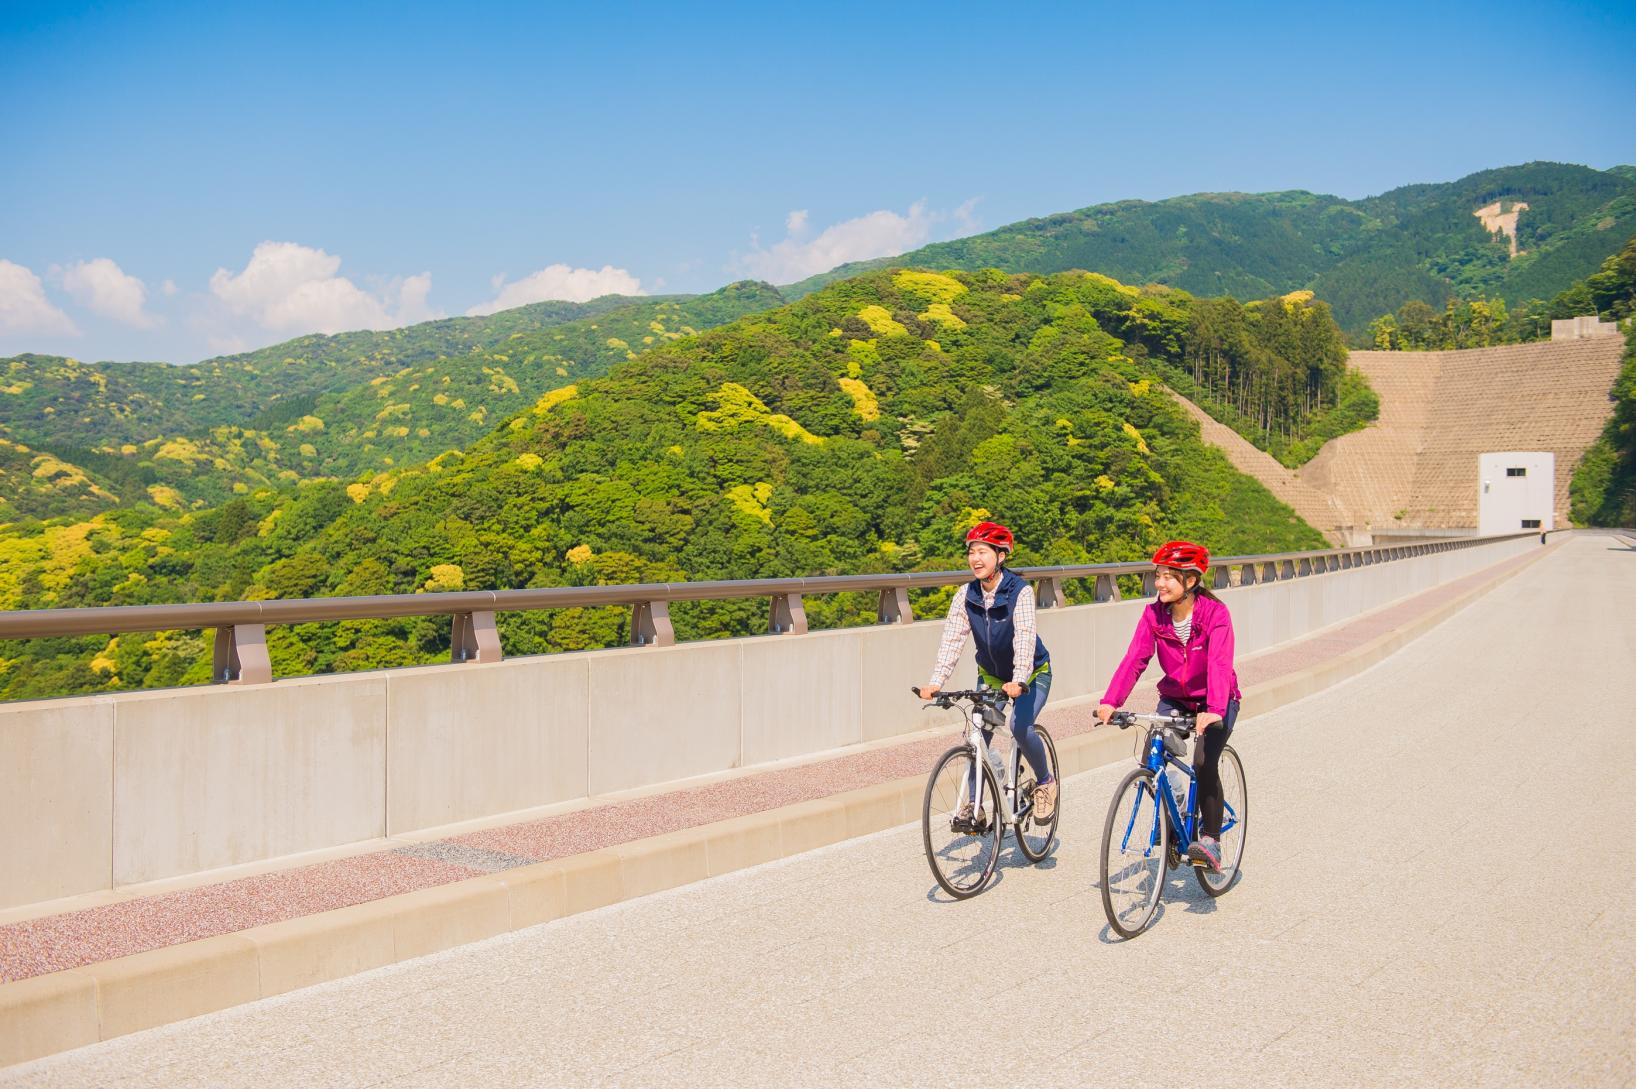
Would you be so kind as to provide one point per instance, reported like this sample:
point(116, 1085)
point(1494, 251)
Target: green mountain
point(315, 407)
point(1364, 257)
point(861, 429)
point(48, 399)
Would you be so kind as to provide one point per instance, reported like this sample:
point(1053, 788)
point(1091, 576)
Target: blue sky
point(181, 180)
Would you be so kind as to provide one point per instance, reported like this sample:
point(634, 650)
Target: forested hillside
point(48, 399)
point(315, 407)
point(1483, 322)
point(862, 429)
point(1365, 257)
point(1604, 483)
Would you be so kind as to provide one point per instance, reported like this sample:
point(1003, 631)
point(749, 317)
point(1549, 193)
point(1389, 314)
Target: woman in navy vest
point(997, 610)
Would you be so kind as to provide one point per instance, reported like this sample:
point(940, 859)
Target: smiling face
point(983, 560)
point(1172, 584)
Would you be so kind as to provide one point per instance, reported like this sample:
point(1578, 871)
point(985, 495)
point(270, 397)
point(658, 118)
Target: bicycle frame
point(980, 749)
point(1183, 825)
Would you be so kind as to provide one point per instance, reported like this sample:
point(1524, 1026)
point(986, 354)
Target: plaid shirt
point(958, 627)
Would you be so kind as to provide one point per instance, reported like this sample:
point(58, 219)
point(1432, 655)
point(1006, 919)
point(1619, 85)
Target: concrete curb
point(81, 1006)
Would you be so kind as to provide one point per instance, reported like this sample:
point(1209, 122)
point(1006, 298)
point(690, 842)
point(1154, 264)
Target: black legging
point(1207, 765)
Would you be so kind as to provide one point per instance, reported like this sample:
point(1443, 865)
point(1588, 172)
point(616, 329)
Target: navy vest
point(991, 628)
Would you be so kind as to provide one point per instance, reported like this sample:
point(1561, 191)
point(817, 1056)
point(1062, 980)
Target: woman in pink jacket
point(1190, 630)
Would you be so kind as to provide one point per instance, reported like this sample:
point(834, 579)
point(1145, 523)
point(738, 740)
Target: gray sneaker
point(1205, 852)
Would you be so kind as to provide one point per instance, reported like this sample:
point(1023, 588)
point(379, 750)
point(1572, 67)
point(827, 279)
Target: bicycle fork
point(1007, 779)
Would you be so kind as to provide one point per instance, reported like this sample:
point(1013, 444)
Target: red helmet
point(992, 534)
point(1184, 556)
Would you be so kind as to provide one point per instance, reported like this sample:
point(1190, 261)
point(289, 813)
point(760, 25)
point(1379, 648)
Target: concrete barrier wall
point(100, 792)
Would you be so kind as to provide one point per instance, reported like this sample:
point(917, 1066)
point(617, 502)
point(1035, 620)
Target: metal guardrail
point(240, 655)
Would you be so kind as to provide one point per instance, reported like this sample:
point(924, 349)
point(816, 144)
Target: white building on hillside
point(1516, 491)
point(1579, 328)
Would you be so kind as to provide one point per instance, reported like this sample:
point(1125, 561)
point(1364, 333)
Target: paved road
point(1437, 891)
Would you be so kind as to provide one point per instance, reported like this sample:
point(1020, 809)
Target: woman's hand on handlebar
point(1012, 689)
point(927, 691)
point(1104, 712)
point(1204, 720)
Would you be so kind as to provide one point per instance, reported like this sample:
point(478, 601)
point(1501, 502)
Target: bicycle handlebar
point(1181, 724)
point(978, 696)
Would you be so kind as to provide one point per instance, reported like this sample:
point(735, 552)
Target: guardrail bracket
point(474, 638)
point(241, 655)
point(786, 615)
point(650, 625)
point(894, 607)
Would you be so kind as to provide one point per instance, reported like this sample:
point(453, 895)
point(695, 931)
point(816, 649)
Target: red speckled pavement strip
point(57, 942)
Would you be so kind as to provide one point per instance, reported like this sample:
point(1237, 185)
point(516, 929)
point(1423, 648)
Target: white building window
point(1516, 471)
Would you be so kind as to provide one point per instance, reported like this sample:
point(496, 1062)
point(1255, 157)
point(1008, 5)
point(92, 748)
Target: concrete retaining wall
point(100, 792)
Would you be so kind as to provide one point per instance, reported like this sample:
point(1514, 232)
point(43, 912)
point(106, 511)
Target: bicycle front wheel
point(1234, 825)
point(1135, 840)
point(962, 844)
point(1034, 838)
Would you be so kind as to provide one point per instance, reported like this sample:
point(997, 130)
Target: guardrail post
point(1150, 583)
point(894, 606)
point(1269, 572)
point(650, 625)
point(241, 655)
point(1048, 593)
point(1220, 579)
point(1107, 588)
point(1286, 570)
point(1304, 567)
point(786, 615)
point(1246, 574)
point(474, 638)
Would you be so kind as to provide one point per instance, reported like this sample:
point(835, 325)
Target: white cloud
point(24, 307)
point(168, 287)
point(102, 287)
point(293, 288)
point(412, 306)
point(560, 282)
point(878, 234)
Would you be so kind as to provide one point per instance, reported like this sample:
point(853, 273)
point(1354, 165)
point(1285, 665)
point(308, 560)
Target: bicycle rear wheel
point(1135, 840)
point(1035, 840)
point(1234, 826)
point(962, 855)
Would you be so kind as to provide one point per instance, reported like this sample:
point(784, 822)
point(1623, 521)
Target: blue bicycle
point(1152, 820)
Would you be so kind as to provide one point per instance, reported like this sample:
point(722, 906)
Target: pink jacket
point(1200, 671)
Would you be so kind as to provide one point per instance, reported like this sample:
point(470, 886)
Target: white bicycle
point(972, 798)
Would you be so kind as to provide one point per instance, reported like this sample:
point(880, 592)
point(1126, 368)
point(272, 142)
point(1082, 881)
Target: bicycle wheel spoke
point(1033, 838)
point(1234, 825)
point(1134, 842)
point(961, 839)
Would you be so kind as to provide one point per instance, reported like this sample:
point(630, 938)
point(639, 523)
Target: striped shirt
point(1184, 628)
point(958, 627)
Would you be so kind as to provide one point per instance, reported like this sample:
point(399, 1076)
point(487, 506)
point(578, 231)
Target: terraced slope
point(1417, 465)
point(1325, 513)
